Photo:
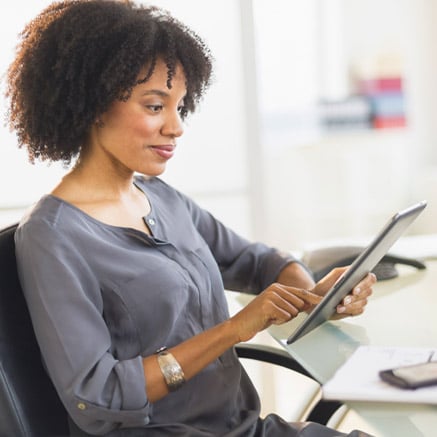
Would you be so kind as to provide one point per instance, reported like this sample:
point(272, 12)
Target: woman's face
point(139, 135)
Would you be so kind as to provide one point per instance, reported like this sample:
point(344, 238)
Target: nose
point(173, 125)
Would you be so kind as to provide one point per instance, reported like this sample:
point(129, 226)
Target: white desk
point(401, 312)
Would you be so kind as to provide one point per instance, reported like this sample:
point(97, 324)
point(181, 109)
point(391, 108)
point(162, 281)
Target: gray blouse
point(101, 297)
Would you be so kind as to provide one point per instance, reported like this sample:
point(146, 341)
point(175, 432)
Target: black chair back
point(29, 404)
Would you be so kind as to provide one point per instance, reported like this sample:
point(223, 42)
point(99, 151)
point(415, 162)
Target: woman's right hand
point(277, 304)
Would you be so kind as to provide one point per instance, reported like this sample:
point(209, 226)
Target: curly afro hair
point(77, 57)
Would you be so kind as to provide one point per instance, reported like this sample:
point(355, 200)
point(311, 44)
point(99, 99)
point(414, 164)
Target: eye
point(154, 108)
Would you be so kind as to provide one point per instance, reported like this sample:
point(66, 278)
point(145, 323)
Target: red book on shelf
point(389, 122)
point(380, 85)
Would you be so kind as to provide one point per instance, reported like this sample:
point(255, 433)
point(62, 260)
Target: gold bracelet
point(171, 370)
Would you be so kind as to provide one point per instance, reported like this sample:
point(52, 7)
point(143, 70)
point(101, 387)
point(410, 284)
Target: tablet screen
point(361, 266)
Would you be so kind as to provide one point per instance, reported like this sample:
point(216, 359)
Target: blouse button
point(81, 406)
point(151, 222)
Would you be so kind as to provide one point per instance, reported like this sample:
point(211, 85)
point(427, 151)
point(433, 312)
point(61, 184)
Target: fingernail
point(341, 309)
point(357, 290)
point(347, 300)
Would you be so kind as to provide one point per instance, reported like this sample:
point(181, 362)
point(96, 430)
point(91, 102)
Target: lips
point(165, 151)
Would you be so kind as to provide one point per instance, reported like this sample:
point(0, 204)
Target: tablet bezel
point(360, 267)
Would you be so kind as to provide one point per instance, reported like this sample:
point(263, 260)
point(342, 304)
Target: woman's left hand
point(354, 303)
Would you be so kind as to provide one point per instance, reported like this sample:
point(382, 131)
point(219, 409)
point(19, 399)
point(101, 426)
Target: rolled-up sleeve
point(99, 391)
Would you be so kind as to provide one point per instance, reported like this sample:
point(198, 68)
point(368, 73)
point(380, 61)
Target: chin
point(150, 173)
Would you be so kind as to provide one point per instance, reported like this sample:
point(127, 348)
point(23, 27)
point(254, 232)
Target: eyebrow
point(160, 93)
point(155, 92)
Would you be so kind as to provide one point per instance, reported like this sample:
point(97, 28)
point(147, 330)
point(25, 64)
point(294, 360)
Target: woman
point(124, 275)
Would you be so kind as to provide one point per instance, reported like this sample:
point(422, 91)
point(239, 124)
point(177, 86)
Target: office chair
point(29, 404)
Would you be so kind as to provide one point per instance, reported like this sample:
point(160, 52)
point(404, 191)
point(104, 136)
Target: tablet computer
point(360, 267)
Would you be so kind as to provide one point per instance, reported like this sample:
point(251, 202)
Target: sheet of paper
point(358, 379)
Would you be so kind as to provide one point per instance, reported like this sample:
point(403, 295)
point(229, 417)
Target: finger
point(283, 315)
point(328, 281)
point(285, 295)
point(306, 295)
point(370, 280)
point(353, 308)
point(365, 286)
point(291, 306)
point(279, 311)
point(334, 276)
point(356, 297)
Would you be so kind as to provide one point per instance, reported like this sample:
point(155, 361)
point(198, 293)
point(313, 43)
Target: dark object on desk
point(322, 261)
point(412, 376)
point(29, 404)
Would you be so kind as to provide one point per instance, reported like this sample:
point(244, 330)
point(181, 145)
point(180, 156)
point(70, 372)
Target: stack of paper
point(358, 379)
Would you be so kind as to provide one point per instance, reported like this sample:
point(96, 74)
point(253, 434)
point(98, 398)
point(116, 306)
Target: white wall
point(310, 186)
point(347, 184)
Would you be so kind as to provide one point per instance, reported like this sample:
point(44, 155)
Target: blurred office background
point(321, 122)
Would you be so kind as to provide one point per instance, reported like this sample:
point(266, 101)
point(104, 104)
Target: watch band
point(171, 370)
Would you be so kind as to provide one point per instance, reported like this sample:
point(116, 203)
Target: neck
point(87, 181)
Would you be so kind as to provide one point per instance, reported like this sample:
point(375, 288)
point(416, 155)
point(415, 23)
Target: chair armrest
point(270, 354)
point(323, 410)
